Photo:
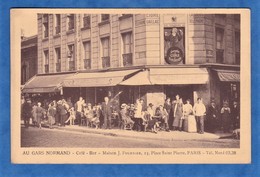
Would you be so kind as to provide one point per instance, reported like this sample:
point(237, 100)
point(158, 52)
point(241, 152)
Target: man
point(212, 117)
point(26, 112)
point(177, 109)
point(79, 109)
point(235, 115)
point(107, 113)
point(199, 111)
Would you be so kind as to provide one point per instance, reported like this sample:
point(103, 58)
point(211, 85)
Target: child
point(72, 116)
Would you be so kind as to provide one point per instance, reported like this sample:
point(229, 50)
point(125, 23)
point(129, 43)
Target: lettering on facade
point(196, 18)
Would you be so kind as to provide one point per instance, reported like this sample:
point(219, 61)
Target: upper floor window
point(127, 42)
point(57, 23)
point(45, 23)
point(46, 60)
point(127, 48)
point(219, 32)
point(71, 21)
point(237, 47)
point(105, 17)
point(58, 59)
point(86, 23)
point(87, 54)
point(71, 57)
point(105, 46)
point(105, 43)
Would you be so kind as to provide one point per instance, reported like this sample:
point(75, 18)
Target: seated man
point(163, 116)
point(150, 122)
point(126, 120)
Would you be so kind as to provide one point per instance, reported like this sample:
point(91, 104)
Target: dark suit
point(107, 113)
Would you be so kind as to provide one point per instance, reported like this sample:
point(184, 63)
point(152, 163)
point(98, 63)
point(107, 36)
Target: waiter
point(107, 113)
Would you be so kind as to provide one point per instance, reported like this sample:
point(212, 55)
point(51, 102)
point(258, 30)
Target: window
point(45, 23)
point(87, 54)
point(58, 59)
point(57, 23)
point(127, 42)
point(127, 49)
point(71, 55)
point(105, 47)
point(219, 45)
point(86, 21)
point(237, 47)
point(46, 60)
point(105, 42)
point(71, 21)
point(174, 45)
point(104, 17)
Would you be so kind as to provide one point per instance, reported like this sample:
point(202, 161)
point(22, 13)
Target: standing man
point(212, 121)
point(107, 113)
point(199, 111)
point(235, 115)
point(26, 112)
point(79, 109)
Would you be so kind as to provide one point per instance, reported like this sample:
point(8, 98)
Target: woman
point(225, 117)
point(177, 114)
point(168, 107)
point(40, 112)
point(89, 114)
point(63, 112)
point(51, 114)
point(34, 115)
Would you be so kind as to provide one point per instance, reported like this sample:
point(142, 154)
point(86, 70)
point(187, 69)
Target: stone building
point(129, 56)
point(28, 58)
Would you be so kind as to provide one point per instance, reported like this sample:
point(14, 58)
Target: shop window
point(86, 23)
point(237, 47)
point(45, 23)
point(219, 45)
point(87, 55)
point(105, 17)
point(71, 57)
point(57, 23)
point(174, 42)
point(105, 43)
point(58, 59)
point(46, 59)
point(71, 21)
point(127, 49)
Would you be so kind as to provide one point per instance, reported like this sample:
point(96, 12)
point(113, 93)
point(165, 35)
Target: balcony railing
point(57, 28)
point(58, 67)
point(87, 63)
point(106, 62)
point(71, 65)
point(128, 59)
point(220, 55)
point(46, 68)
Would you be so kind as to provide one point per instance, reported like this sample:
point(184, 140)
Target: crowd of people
point(174, 115)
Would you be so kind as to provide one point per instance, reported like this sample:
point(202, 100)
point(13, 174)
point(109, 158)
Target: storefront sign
point(174, 55)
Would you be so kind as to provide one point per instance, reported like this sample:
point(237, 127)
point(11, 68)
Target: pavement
point(161, 135)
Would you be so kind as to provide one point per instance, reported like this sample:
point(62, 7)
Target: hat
point(89, 104)
point(123, 105)
point(150, 104)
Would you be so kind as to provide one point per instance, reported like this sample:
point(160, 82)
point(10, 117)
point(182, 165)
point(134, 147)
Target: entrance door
point(185, 92)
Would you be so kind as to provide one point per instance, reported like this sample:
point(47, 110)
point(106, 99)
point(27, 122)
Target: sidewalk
point(161, 135)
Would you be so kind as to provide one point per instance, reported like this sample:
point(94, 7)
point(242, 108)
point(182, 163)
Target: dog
point(236, 134)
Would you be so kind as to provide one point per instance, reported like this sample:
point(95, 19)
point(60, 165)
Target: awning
point(228, 75)
point(169, 76)
point(45, 83)
point(97, 79)
point(141, 78)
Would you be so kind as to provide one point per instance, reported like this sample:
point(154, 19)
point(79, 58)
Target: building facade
point(28, 58)
point(155, 55)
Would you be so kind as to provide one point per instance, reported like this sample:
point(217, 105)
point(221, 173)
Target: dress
point(177, 108)
point(225, 118)
point(39, 114)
